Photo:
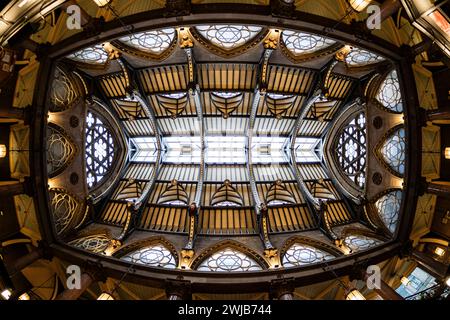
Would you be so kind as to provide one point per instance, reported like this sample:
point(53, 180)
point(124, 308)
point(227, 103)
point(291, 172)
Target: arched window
point(156, 41)
point(228, 36)
point(156, 256)
point(63, 93)
point(94, 243)
point(229, 260)
point(351, 150)
point(359, 242)
point(390, 94)
point(301, 254)
point(100, 149)
point(299, 43)
point(393, 151)
point(91, 55)
point(358, 57)
point(174, 103)
point(388, 207)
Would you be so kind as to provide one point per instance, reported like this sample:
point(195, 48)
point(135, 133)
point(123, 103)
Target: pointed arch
point(298, 251)
point(391, 150)
point(65, 90)
point(389, 94)
point(174, 193)
point(66, 209)
point(229, 256)
point(279, 104)
point(96, 241)
point(351, 149)
point(61, 150)
point(95, 57)
point(153, 252)
point(228, 40)
point(358, 239)
point(388, 208)
point(226, 102)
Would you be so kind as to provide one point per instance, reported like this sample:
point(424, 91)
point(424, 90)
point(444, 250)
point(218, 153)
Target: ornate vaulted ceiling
point(239, 144)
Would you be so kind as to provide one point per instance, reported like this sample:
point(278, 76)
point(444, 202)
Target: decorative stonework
point(241, 38)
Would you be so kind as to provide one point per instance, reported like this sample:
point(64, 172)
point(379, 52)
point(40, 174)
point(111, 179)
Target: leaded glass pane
point(359, 57)
point(155, 256)
point(99, 149)
point(156, 41)
point(351, 150)
point(303, 43)
point(228, 36)
point(393, 151)
point(301, 254)
point(92, 55)
point(229, 260)
point(94, 243)
point(360, 242)
point(388, 208)
point(390, 94)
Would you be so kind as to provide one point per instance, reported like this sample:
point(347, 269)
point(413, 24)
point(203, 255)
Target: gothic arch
point(319, 245)
point(249, 43)
point(61, 150)
point(148, 242)
point(394, 151)
point(238, 246)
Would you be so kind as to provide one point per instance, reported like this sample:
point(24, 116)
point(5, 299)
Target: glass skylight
point(225, 150)
point(143, 149)
point(228, 36)
point(183, 149)
point(268, 150)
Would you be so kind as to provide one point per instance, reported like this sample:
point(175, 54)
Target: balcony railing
point(437, 292)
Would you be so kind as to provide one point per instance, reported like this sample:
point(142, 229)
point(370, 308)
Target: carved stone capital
point(186, 257)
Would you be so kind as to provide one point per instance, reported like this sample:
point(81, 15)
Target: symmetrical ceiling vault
point(246, 145)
